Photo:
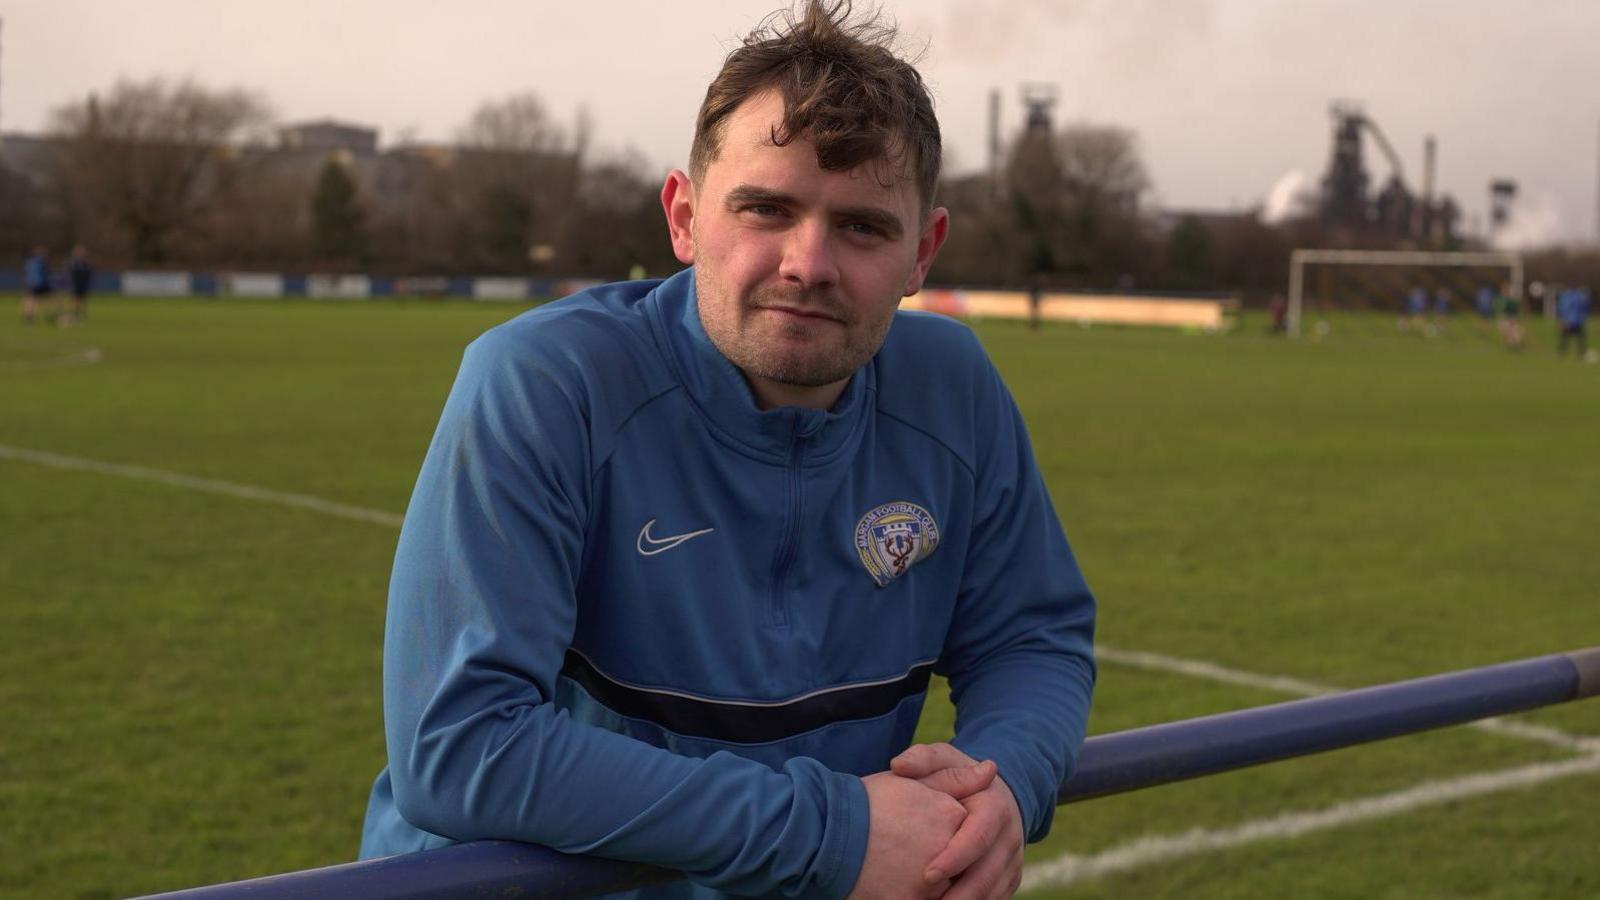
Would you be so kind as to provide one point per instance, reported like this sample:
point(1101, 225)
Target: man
point(1416, 308)
point(1278, 308)
point(36, 283)
point(1572, 311)
point(1441, 310)
point(1510, 317)
point(1485, 302)
point(683, 554)
point(81, 274)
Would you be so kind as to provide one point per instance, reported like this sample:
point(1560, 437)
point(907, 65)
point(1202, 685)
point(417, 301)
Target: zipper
point(778, 606)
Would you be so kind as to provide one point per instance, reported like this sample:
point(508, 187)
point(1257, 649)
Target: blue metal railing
point(1108, 764)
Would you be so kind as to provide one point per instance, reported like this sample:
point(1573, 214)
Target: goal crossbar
point(1299, 259)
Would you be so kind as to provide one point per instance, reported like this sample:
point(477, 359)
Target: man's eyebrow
point(749, 193)
point(886, 221)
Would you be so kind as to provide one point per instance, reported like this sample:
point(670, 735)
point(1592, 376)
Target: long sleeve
point(1019, 654)
point(482, 608)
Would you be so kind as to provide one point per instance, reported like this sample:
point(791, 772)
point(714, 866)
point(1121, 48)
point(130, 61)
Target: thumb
point(962, 782)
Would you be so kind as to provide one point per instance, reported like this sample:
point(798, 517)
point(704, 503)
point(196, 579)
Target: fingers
point(922, 760)
point(908, 824)
point(997, 875)
point(971, 842)
point(963, 781)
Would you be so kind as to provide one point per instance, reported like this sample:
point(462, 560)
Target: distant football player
point(80, 273)
point(36, 283)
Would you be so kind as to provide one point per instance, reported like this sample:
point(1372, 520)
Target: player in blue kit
point(684, 554)
point(36, 283)
point(1572, 312)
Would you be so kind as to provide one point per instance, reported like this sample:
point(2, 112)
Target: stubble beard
point(800, 354)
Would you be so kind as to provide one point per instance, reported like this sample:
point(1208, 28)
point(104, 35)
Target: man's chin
point(804, 373)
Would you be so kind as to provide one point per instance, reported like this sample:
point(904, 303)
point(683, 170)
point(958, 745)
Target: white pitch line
point(1543, 734)
point(1160, 662)
point(88, 356)
point(1145, 851)
point(1153, 849)
point(209, 485)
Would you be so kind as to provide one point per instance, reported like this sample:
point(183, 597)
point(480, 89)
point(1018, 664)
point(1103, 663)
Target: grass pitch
point(192, 680)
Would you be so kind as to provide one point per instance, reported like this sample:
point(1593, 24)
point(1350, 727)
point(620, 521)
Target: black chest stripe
point(746, 722)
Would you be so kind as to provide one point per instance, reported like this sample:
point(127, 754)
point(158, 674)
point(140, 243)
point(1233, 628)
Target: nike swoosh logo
point(662, 545)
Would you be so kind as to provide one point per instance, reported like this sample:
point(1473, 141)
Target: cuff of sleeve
point(1036, 815)
point(1036, 800)
point(844, 843)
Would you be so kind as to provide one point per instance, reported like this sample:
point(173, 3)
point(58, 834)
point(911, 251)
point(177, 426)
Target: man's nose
point(808, 259)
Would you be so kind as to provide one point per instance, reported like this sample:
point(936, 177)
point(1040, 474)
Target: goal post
point(1300, 259)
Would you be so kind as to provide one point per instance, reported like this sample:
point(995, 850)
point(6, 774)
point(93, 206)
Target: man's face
point(798, 270)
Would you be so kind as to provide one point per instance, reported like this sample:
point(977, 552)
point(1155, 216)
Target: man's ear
point(677, 201)
point(928, 244)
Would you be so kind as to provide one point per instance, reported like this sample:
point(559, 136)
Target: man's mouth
point(801, 313)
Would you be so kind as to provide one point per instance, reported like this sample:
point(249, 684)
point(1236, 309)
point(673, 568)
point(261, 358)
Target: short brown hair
point(842, 87)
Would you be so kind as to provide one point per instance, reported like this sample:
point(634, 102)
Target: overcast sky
point(1227, 96)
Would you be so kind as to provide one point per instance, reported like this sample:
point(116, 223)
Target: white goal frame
point(1299, 259)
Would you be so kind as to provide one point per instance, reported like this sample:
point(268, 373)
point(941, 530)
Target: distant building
point(30, 211)
point(1347, 201)
point(327, 134)
point(28, 157)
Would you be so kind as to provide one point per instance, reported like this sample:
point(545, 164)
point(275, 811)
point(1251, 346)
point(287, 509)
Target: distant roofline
point(326, 122)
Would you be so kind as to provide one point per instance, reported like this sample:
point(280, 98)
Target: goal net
point(1397, 283)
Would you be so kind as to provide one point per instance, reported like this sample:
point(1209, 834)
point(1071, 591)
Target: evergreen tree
point(1189, 255)
point(338, 224)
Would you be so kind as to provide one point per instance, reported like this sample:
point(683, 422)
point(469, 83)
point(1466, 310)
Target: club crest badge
point(894, 537)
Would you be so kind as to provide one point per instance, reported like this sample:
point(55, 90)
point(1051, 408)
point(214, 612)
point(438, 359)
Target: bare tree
point(516, 124)
point(1093, 223)
point(1101, 164)
point(517, 173)
point(1065, 212)
point(263, 219)
point(983, 244)
point(24, 213)
point(616, 221)
point(1251, 256)
point(1038, 201)
point(152, 157)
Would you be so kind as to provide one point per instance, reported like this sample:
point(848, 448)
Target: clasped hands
point(942, 825)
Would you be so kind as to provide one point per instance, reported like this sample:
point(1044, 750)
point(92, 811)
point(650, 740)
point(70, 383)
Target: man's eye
point(763, 209)
point(863, 228)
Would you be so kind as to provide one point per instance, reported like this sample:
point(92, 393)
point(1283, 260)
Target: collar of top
point(719, 390)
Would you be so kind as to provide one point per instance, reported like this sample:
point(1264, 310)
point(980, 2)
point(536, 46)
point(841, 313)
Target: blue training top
point(1572, 307)
point(36, 273)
